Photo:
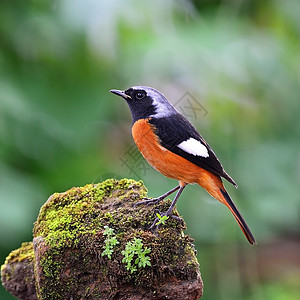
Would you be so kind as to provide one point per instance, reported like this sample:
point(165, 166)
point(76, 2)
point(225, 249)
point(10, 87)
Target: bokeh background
point(232, 67)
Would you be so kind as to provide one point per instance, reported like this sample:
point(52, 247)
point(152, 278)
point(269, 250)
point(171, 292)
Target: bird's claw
point(156, 222)
point(148, 201)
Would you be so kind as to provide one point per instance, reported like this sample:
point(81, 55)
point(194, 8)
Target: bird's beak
point(120, 93)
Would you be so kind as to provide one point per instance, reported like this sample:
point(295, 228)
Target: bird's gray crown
point(163, 108)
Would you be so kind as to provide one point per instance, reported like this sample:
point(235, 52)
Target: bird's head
point(145, 102)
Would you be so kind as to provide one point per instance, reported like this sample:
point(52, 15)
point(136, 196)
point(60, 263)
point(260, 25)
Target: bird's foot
point(149, 201)
point(161, 219)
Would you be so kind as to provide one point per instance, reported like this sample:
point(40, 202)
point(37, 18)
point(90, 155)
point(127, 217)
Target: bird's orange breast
point(167, 162)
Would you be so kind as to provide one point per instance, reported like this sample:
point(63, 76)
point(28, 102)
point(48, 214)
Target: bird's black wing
point(179, 136)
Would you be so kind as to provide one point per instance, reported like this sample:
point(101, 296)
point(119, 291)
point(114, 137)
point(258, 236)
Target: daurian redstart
point(172, 146)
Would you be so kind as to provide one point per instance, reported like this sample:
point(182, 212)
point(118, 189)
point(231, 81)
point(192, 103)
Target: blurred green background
point(232, 67)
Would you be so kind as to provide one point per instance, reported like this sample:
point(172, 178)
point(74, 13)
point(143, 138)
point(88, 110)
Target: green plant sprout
point(162, 219)
point(110, 242)
point(135, 256)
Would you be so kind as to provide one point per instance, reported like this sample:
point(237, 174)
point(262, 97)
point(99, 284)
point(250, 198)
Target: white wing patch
point(194, 147)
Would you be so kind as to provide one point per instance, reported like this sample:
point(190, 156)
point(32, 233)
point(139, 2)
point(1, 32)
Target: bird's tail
point(213, 184)
point(230, 204)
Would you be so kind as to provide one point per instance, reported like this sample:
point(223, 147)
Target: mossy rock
point(69, 241)
point(17, 273)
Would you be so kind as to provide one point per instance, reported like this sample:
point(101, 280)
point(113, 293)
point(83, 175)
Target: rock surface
point(90, 243)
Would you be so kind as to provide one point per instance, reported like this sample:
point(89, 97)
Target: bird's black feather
point(175, 129)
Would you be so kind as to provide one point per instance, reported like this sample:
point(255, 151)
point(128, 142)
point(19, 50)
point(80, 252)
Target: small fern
point(135, 256)
point(110, 242)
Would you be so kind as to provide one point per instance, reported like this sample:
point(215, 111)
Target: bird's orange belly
point(163, 160)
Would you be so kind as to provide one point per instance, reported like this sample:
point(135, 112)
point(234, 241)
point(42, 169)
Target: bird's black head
point(145, 102)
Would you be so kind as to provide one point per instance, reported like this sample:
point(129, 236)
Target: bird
point(172, 146)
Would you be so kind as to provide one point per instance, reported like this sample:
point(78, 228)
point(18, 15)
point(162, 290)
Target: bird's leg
point(169, 211)
point(149, 201)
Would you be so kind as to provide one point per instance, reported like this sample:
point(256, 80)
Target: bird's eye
point(140, 95)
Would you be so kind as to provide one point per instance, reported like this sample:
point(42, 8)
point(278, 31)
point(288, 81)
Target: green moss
point(51, 267)
point(65, 215)
point(73, 218)
point(25, 252)
point(18, 255)
point(72, 225)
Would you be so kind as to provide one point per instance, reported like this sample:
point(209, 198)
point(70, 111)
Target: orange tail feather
point(213, 184)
